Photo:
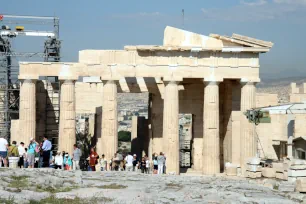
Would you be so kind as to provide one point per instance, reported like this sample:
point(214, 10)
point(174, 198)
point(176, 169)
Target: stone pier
point(248, 145)
point(67, 136)
point(211, 137)
point(108, 143)
point(27, 111)
point(171, 127)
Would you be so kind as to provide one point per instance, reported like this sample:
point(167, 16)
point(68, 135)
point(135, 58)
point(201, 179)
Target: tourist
point(46, 148)
point(120, 161)
point(143, 165)
point(67, 162)
point(164, 167)
point(135, 162)
point(13, 150)
point(111, 163)
point(21, 152)
point(155, 165)
point(129, 162)
point(58, 160)
point(52, 162)
point(160, 163)
point(3, 151)
point(63, 155)
point(25, 158)
point(39, 155)
point(93, 158)
point(147, 165)
point(103, 163)
point(31, 153)
point(76, 155)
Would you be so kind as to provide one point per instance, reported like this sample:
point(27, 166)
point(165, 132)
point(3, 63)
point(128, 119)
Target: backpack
point(37, 149)
point(11, 152)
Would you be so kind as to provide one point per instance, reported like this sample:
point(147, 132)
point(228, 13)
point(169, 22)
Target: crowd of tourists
point(38, 155)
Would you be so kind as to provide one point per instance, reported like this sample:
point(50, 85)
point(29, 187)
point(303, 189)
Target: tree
point(124, 136)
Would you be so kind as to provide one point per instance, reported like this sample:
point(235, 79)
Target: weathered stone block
point(268, 172)
point(231, 171)
point(296, 173)
point(301, 185)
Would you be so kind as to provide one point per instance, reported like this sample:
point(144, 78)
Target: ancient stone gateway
point(213, 78)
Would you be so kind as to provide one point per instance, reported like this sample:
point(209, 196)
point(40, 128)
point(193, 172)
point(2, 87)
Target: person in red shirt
point(93, 159)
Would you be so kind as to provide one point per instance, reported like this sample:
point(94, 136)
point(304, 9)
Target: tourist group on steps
point(39, 155)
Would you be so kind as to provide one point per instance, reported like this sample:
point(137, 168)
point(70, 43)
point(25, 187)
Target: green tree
point(124, 136)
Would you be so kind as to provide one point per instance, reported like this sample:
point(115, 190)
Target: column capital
point(111, 78)
point(29, 80)
point(172, 79)
point(28, 77)
point(249, 81)
point(215, 80)
point(64, 78)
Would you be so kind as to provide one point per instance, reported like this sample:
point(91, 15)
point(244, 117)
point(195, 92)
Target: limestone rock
point(268, 172)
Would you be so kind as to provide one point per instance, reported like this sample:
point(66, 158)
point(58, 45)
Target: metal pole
point(183, 16)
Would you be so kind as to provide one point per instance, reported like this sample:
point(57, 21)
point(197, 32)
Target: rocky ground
point(56, 186)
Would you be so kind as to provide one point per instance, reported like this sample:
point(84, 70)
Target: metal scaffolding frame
point(9, 83)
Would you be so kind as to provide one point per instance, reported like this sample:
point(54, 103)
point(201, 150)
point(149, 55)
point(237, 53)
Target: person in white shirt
point(58, 161)
point(147, 165)
point(21, 152)
point(3, 151)
point(129, 162)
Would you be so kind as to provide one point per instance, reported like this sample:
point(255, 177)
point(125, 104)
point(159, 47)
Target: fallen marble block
point(301, 185)
point(296, 173)
point(268, 172)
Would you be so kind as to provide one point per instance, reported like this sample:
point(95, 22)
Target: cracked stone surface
point(24, 185)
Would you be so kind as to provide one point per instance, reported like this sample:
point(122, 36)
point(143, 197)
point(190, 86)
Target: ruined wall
point(299, 125)
point(298, 94)
point(266, 99)
point(88, 97)
point(277, 130)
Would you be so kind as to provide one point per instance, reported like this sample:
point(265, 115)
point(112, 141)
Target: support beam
point(27, 111)
point(67, 136)
point(108, 143)
point(171, 127)
point(211, 138)
point(248, 143)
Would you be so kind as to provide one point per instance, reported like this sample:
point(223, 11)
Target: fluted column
point(227, 121)
point(27, 111)
point(67, 136)
point(248, 143)
point(108, 143)
point(171, 127)
point(211, 138)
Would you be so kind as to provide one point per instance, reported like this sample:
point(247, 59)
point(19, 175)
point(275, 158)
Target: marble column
point(108, 143)
point(227, 121)
point(67, 137)
point(248, 139)
point(171, 127)
point(27, 111)
point(211, 138)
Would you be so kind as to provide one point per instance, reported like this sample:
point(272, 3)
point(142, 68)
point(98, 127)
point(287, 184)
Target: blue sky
point(101, 24)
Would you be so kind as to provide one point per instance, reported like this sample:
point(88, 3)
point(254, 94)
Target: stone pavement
point(37, 185)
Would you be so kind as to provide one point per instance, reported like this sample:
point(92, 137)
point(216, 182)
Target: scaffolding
point(9, 84)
